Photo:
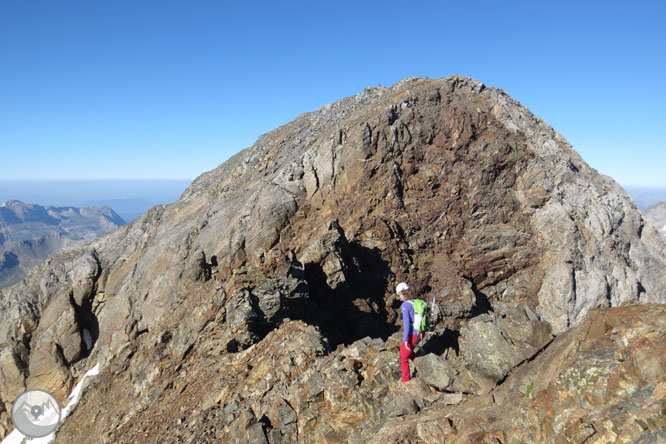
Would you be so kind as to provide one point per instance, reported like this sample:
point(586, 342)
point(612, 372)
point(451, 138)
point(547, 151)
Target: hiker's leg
point(404, 362)
point(414, 340)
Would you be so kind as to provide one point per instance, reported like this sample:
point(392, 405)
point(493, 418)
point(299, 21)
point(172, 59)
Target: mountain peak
point(297, 242)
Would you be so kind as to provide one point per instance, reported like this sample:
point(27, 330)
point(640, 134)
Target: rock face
point(259, 307)
point(30, 234)
point(657, 215)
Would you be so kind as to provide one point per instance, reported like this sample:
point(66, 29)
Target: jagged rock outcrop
point(230, 313)
point(30, 234)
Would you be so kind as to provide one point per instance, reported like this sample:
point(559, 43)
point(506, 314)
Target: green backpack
point(420, 315)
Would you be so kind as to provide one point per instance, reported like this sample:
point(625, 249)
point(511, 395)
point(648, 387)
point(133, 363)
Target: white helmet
point(402, 286)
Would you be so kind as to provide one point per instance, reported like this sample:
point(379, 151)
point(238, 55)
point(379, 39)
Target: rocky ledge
point(601, 381)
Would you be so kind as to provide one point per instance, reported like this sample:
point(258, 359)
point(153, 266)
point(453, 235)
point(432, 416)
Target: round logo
point(36, 413)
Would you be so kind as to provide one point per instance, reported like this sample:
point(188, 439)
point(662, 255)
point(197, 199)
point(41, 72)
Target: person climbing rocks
point(410, 336)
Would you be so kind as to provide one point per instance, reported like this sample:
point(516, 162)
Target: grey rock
point(197, 269)
point(484, 347)
point(284, 414)
point(493, 344)
point(246, 429)
point(256, 435)
point(435, 371)
point(431, 431)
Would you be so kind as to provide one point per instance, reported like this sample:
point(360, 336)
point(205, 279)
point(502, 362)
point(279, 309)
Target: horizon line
point(98, 180)
point(192, 179)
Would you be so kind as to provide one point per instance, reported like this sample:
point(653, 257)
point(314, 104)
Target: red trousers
point(407, 355)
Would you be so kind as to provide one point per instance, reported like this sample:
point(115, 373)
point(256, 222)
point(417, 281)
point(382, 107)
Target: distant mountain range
point(657, 215)
point(30, 234)
point(128, 198)
point(645, 197)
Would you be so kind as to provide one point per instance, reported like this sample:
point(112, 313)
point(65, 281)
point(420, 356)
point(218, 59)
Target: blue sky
point(170, 89)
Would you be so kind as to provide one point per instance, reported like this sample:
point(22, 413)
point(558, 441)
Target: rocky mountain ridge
point(20, 221)
point(20, 257)
point(30, 234)
point(247, 310)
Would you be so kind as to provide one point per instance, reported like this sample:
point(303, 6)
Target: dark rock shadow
point(482, 304)
point(355, 308)
point(439, 341)
point(88, 325)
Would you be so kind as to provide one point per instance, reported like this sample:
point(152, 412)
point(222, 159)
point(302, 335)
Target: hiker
point(410, 336)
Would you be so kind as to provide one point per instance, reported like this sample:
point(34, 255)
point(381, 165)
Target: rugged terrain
point(259, 306)
point(30, 234)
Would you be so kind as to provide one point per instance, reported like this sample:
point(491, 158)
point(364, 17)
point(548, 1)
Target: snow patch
point(87, 338)
point(16, 437)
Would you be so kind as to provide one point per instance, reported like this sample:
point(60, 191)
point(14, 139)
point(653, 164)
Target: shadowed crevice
point(355, 308)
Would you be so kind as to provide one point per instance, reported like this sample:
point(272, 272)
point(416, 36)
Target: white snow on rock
point(16, 437)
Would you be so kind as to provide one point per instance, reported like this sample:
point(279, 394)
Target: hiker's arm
point(406, 324)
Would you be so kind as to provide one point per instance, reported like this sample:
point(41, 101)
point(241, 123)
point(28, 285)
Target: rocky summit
point(259, 307)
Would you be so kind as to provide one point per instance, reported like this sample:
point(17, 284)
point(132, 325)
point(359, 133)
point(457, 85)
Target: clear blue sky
point(170, 89)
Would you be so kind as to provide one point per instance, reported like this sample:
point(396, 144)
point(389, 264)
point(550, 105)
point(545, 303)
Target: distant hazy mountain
point(657, 215)
point(645, 197)
point(30, 234)
point(128, 198)
point(17, 259)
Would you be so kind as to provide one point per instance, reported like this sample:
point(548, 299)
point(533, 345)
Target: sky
point(171, 89)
